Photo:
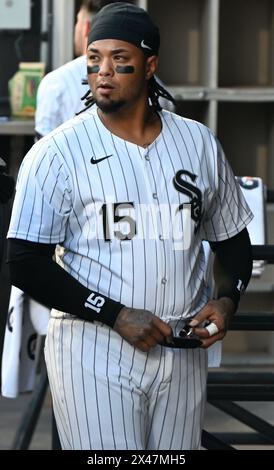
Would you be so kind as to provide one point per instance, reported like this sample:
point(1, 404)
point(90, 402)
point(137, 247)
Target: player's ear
point(151, 66)
point(87, 28)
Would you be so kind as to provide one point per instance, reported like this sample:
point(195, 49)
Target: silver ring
point(212, 329)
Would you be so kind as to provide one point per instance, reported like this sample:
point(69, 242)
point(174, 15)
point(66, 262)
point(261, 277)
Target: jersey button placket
point(160, 247)
point(162, 272)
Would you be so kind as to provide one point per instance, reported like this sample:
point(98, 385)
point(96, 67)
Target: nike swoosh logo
point(145, 46)
point(94, 162)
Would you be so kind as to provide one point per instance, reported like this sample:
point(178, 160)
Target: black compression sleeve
point(33, 270)
point(232, 265)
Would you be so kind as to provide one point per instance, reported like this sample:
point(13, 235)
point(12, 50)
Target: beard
point(109, 106)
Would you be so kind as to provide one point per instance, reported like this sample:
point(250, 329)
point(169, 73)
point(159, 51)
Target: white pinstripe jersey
point(59, 95)
point(181, 182)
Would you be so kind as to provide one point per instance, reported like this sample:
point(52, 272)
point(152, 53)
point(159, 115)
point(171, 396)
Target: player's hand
point(217, 314)
point(141, 328)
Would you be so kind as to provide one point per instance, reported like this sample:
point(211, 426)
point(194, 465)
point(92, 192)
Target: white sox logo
point(192, 192)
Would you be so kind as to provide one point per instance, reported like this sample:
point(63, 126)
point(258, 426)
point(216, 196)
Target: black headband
point(128, 23)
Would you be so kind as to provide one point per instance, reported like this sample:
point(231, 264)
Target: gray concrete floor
point(11, 411)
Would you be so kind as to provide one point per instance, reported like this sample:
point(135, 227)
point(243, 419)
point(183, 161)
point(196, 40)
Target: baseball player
point(129, 192)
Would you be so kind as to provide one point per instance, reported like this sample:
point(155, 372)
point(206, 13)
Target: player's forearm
point(232, 267)
point(39, 276)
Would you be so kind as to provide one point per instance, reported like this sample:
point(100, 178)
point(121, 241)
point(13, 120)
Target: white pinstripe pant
point(109, 395)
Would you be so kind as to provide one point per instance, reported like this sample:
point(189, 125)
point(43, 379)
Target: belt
point(185, 340)
point(178, 342)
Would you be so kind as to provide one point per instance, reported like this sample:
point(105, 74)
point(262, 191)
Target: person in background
point(60, 91)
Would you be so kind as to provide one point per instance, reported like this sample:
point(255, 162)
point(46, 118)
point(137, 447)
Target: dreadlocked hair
point(89, 101)
point(156, 91)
